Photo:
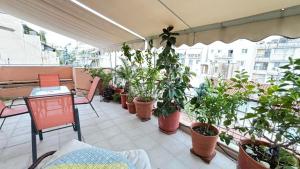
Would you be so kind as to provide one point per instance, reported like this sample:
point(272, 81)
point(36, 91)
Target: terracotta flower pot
point(124, 100)
point(204, 146)
point(119, 90)
point(169, 124)
point(245, 161)
point(131, 107)
point(143, 109)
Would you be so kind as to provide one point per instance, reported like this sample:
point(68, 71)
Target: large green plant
point(139, 72)
point(277, 114)
point(146, 75)
point(125, 71)
point(175, 77)
point(216, 104)
point(105, 77)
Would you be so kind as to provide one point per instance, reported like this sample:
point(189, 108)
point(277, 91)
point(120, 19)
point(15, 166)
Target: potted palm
point(144, 83)
point(126, 72)
point(216, 104)
point(275, 124)
point(171, 87)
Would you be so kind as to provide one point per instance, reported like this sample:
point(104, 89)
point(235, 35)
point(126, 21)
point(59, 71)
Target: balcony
point(116, 129)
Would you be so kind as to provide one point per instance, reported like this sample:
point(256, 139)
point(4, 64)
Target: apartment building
point(23, 46)
point(271, 55)
point(218, 60)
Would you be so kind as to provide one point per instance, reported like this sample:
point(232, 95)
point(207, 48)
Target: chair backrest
point(93, 88)
point(51, 111)
point(49, 80)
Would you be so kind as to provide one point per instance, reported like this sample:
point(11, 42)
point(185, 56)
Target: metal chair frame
point(4, 117)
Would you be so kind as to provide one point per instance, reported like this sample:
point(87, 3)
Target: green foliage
point(124, 72)
point(216, 104)
point(146, 75)
point(139, 73)
point(175, 77)
point(131, 94)
point(277, 112)
point(105, 77)
point(117, 97)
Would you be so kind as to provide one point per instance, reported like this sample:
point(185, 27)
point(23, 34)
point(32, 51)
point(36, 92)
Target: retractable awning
point(203, 21)
point(67, 18)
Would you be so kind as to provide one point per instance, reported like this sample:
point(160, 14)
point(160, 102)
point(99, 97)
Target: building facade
point(219, 60)
point(273, 54)
point(18, 46)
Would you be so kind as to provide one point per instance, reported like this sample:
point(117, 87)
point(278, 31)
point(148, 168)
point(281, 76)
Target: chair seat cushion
point(81, 100)
point(14, 111)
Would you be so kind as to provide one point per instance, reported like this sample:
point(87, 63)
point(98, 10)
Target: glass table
point(48, 91)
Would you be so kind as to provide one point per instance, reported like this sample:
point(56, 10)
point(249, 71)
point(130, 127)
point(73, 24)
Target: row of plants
point(164, 83)
point(274, 125)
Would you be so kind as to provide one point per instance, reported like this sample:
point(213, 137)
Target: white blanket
point(138, 158)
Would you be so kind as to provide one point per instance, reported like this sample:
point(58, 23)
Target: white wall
point(18, 48)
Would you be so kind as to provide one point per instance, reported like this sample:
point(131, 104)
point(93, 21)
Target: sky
point(56, 39)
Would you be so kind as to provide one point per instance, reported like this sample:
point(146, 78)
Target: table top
point(46, 91)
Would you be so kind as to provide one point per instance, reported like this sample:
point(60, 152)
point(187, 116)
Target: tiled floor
point(116, 129)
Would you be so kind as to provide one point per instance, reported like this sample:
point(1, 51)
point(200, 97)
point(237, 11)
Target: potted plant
point(275, 124)
point(144, 83)
point(119, 88)
point(129, 101)
point(171, 87)
point(126, 73)
point(216, 104)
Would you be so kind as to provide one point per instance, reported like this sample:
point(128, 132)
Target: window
point(216, 69)
point(277, 65)
point(182, 61)
point(181, 55)
point(190, 62)
point(244, 51)
point(260, 52)
point(268, 53)
point(242, 63)
point(212, 51)
point(204, 69)
point(197, 61)
point(259, 78)
point(263, 53)
point(230, 52)
point(219, 51)
point(261, 66)
point(286, 51)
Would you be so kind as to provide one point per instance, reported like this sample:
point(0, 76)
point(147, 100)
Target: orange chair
point(90, 96)
point(51, 111)
point(10, 111)
point(48, 80)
